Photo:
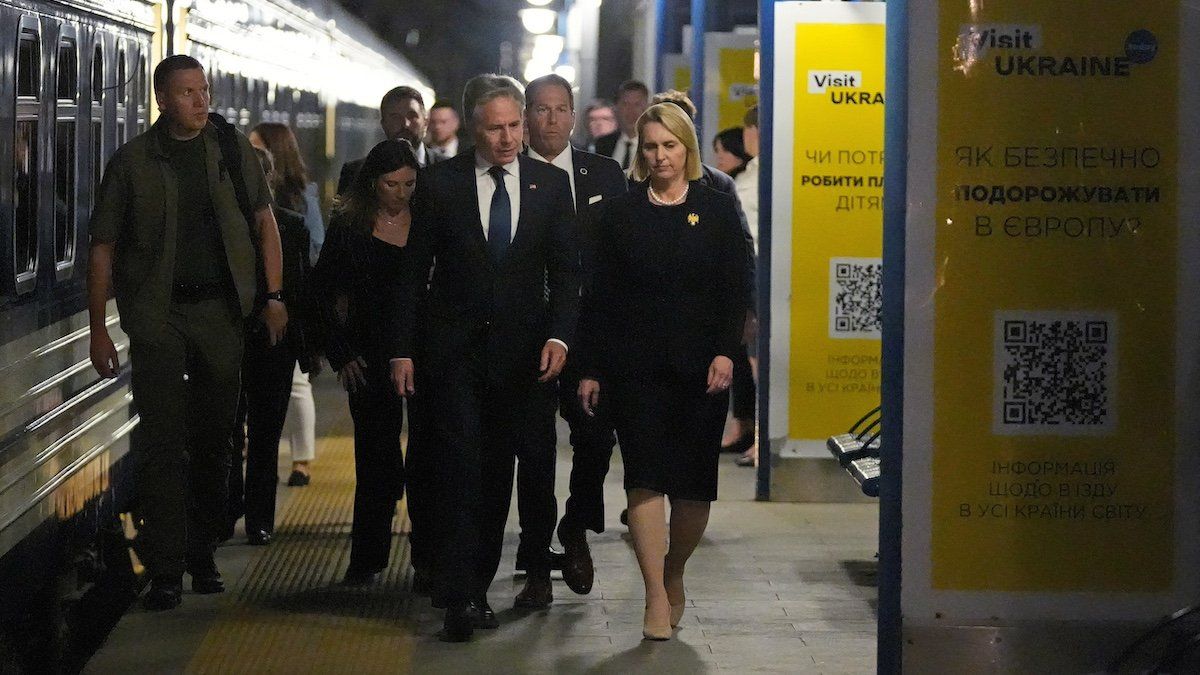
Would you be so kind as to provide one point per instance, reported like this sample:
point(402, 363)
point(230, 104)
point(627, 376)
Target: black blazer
point(668, 294)
point(470, 306)
point(302, 335)
point(347, 268)
point(607, 144)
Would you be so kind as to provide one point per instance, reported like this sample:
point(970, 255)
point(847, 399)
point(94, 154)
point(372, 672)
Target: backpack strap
point(231, 159)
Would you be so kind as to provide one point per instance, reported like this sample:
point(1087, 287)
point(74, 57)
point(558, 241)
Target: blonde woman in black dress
point(660, 330)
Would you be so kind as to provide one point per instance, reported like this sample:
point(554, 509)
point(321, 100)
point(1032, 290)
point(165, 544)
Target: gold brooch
point(693, 219)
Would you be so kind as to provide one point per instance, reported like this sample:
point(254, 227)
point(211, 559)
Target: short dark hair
point(170, 65)
point(397, 94)
point(632, 85)
point(750, 119)
point(442, 103)
point(550, 80)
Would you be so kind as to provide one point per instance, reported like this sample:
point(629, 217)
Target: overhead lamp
point(540, 3)
point(537, 20)
point(566, 72)
point(535, 69)
point(547, 48)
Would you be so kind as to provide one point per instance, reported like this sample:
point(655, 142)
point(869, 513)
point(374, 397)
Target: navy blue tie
point(500, 219)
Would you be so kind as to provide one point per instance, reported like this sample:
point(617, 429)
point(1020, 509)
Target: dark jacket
point(303, 330)
point(666, 295)
point(607, 144)
point(470, 305)
point(346, 269)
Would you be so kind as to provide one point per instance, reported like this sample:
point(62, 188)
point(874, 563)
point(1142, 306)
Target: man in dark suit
point(443, 131)
point(550, 117)
point(494, 324)
point(633, 98)
point(402, 115)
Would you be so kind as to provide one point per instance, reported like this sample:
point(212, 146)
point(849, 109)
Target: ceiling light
point(538, 20)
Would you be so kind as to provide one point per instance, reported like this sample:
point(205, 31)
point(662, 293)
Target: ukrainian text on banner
point(1054, 328)
point(836, 219)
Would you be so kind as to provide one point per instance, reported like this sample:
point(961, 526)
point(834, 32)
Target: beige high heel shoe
point(658, 633)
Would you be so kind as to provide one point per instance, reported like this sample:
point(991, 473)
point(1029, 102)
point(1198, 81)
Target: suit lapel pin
point(693, 219)
point(532, 186)
point(583, 171)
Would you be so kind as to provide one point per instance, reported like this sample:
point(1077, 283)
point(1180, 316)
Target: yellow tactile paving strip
point(287, 613)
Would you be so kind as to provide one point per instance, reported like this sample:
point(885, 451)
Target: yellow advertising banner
point(737, 86)
point(1054, 330)
point(837, 187)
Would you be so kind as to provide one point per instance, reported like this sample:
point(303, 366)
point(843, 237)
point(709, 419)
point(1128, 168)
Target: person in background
point(267, 380)
point(549, 117)
point(294, 192)
point(366, 253)
point(402, 116)
point(660, 327)
point(169, 236)
point(601, 121)
point(443, 131)
point(632, 99)
point(728, 152)
point(745, 372)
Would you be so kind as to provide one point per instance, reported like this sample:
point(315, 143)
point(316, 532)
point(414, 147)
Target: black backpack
point(231, 160)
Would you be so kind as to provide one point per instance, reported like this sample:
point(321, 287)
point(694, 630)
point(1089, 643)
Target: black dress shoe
point(207, 584)
point(537, 594)
point(482, 615)
point(164, 594)
point(258, 537)
point(360, 577)
point(578, 570)
point(458, 625)
point(298, 479)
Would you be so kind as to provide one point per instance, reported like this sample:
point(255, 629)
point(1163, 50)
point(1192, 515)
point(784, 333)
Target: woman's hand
point(352, 376)
point(589, 395)
point(720, 374)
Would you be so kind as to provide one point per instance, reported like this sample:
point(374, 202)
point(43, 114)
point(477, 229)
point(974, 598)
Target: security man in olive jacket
point(170, 237)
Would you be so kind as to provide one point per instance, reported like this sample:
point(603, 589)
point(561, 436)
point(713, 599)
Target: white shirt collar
point(562, 160)
point(481, 166)
point(420, 152)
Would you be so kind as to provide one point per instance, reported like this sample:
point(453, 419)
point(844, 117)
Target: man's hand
point(274, 317)
point(720, 374)
point(589, 395)
point(402, 377)
point(104, 354)
point(351, 376)
point(554, 355)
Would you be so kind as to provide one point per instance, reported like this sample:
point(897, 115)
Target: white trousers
point(300, 425)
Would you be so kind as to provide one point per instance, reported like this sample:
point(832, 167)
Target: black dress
point(669, 297)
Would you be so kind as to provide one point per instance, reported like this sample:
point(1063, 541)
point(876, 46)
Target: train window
point(68, 71)
point(121, 77)
point(25, 239)
point(142, 94)
point(98, 76)
point(29, 60)
point(64, 193)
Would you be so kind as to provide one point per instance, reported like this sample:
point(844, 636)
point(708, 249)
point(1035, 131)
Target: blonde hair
point(680, 125)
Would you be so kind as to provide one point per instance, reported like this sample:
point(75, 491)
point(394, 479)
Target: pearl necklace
point(678, 200)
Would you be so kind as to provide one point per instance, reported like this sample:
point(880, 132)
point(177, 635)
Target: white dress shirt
point(747, 191)
point(563, 161)
point(619, 151)
point(450, 149)
point(486, 187)
point(419, 151)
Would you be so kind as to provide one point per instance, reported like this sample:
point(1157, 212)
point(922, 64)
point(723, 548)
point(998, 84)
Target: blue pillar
point(660, 44)
point(766, 123)
point(895, 175)
point(699, 26)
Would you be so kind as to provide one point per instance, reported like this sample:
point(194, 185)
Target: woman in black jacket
point(364, 254)
point(658, 334)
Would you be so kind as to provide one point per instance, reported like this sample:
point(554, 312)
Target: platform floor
point(773, 588)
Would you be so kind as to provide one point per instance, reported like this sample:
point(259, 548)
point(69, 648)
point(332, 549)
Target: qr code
point(855, 298)
point(1055, 373)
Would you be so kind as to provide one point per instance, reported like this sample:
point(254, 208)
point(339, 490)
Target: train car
point(75, 86)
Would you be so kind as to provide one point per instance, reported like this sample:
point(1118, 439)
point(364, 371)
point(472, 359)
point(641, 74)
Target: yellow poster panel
point(1054, 361)
point(738, 89)
point(681, 78)
point(837, 222)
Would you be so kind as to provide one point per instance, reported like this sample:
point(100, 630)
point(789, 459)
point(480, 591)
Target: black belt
point(188, 293)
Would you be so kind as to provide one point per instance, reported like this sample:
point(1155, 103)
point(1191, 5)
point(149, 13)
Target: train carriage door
point(66, 161)
point(96, 119)
point(22, 264)
point(141, 95)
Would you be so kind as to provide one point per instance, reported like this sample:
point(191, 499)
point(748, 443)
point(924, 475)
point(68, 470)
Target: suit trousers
point(181, 447)
point(481, 424)
point(592, 441)
point(267, 386)
point(378, 414)
point(423, 487)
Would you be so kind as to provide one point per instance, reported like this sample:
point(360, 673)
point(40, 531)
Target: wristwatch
point(275, 295)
